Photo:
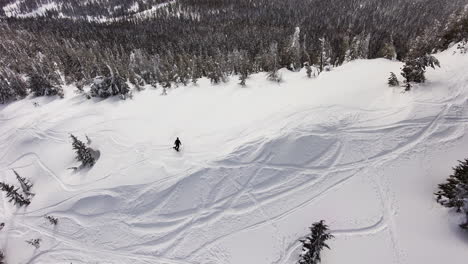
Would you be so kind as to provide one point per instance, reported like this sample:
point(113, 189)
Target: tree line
point(189, 39)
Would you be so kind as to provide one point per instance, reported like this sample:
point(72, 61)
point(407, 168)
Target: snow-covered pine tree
point(414, 70)
point(393, 80)
point(2, 257)
point(243, 79)
point(273, 64)
point(26, 185)
point(313, 244)
point(6, 92)
point(41, 86)
point(14, 195)
point(454, 193)
point(308, 70)
point(83, 153)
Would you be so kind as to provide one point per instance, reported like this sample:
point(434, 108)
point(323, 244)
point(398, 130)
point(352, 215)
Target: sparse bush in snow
point(14, 195)
point(393, 80)
point(454, 193)
point(35, 242)
point(274, 76)
point(84, 154)
point(105, 87)
point(413, 71)
point(313, 244)
point(52, 220)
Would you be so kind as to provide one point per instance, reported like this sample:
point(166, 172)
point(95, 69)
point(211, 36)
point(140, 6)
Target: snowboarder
point(177, 144)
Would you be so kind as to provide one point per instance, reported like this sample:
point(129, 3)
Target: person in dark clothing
point(177, 144)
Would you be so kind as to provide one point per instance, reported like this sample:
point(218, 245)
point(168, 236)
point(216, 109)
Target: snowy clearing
point(258, 166)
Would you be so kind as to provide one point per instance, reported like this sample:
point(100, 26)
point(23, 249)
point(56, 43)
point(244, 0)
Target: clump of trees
point(454, 192)
point(414, 69)
point(314, 243)
point(241, 37)
point(84, 154)
point(15, 196)
point(105, 87)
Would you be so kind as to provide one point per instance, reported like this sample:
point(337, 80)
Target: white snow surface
point(258, 166)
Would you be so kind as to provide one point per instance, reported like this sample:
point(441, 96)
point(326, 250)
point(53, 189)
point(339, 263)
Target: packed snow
point(258, 166)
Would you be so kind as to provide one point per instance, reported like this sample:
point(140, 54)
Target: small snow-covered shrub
point(105, 87)
point(52, 220)
point(454, 192)
point(35, 242)
point(463, 47)
point(393, 80)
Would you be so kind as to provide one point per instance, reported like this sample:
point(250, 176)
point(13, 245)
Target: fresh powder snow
point(258, 165)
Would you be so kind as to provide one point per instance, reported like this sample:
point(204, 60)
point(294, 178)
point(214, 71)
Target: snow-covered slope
point(258, 166)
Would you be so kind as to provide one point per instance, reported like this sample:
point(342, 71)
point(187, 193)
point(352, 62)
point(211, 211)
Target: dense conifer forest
point(167, 43)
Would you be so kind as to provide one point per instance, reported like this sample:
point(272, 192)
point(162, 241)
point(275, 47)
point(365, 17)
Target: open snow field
point(258, 166)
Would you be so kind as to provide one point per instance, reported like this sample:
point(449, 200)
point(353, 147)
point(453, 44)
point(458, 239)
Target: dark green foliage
point(313, 244)
point(83, 153)
point(14, 195)
point(413, 71)
point(105, 87)
point(393, 80)
point(41, 86)
point(12, 86)
point(189, 39)
point(454, 193)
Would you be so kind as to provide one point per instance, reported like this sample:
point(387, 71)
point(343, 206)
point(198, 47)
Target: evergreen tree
point(14, 195)
point(393, 80)
point(83, 153)
point(105, 87)
point(2, 257)
point(313, 245)
point(41, 86)
point(454, 193)
point(414, 70)
point(26, 185)
point(308, 70)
